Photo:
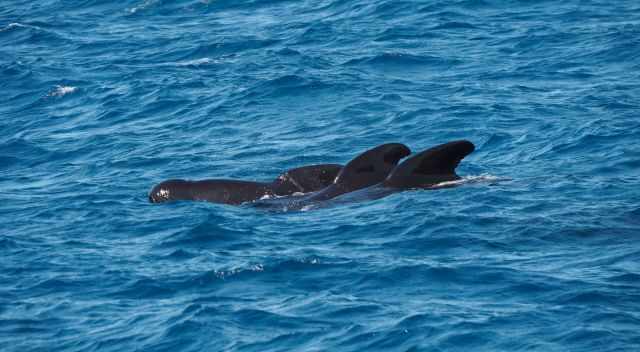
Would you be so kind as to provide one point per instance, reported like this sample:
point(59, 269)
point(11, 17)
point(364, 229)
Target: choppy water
point(100, 100)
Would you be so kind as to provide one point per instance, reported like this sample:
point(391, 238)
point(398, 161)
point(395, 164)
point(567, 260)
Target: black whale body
point(423, 170)
point(430, 167)
point(299, 180)
point(367, 169)
point(376, 171)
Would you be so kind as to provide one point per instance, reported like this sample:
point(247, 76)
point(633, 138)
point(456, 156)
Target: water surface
point(101, 100)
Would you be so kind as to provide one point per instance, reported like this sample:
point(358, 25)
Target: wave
point(60, 91)
point(401, 60)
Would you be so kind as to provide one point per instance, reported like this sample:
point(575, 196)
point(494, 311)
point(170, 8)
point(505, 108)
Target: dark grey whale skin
point(376, 170)
point(304, 179)
point(429, 167)
point(367, 169)
point(420, 171)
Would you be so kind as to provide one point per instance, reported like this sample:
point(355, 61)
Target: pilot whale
point(424, 170)
point(304, 179)
point(367, 169)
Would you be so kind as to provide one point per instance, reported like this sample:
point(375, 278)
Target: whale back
point(305, 179)
point(215, 191)
point(432, 166)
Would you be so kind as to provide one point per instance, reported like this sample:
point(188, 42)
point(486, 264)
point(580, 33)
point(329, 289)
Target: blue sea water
point(100, 100)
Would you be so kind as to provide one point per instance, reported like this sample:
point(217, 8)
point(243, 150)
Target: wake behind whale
point(285, 204)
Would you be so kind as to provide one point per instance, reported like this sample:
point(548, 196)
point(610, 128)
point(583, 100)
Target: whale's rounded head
point(169, 190)
point(371, 167)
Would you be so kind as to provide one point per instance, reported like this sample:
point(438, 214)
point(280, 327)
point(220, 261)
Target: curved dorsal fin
point(372, 166)
point(431, 166)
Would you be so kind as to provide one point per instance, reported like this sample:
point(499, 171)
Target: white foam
point(197, 62)
point(223, 274)
point(142, 6)
point(266, 196)
point(13, 25)
point(62, 90)
point(164, 193)
point(484, 178)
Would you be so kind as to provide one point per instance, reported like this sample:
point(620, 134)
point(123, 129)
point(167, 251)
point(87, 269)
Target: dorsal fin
point(305, 179)
point(431, 166)
point(372, 166)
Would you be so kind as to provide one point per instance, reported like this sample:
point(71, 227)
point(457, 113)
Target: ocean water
point(100, 100)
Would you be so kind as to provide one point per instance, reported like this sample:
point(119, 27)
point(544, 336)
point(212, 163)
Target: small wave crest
point(60, 91)
point(13, 25)
point(275, 196)
point(471, 179)
point(143, 6)
point(196, 62)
